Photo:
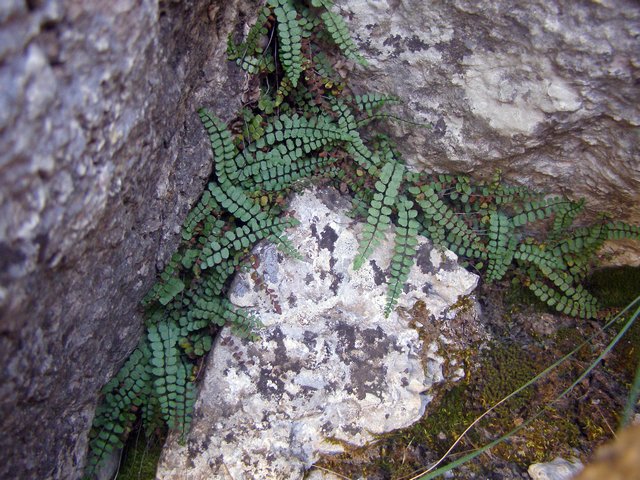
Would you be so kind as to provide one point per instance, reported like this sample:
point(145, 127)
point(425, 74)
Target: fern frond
point(281, 177)
point(578, 248)
point(405, 246)
point(151, 415)
point(235, 201)
point(181, 399)
point(541, 258)
point(370, 103)
point(379, 213)
point(224, 150)
point(503, 194)
point(340, 35)
point(621, 230)
point(127, 391)
point(539, 210)
point(501, 246)
point(289, 140)
point(290, 38)
point(583, 305)
point(163, 342)
point(563, 220)
point(169, 285)
point(441, 222)
point(203, 209)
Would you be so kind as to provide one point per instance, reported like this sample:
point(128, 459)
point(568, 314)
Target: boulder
point(544, 90)
point(329, 368)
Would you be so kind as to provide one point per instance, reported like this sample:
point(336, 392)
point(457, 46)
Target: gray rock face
point(102, 155)
point(328, 366)
point(544, 90)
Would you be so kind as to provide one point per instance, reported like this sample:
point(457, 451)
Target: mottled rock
point(102, 155)
point(543, 89)
point(329, 366)
point(558, 469)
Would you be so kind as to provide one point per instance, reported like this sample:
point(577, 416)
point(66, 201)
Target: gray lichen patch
point(329, 367)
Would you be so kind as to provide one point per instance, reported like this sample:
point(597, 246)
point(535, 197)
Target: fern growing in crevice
point(122, 395)
point(306, 124)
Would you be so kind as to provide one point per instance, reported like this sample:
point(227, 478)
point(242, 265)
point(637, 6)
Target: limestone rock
point(329, 366)
point(543, 89)
point(558, 469)
point(102, 155)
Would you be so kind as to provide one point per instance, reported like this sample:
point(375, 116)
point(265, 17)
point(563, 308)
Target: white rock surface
point(558, 469)
point(329, 365)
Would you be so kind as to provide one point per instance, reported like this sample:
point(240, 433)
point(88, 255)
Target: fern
point(114, 418)
point(406, 243)
point(501, 246)
point(298, 128)
point(442, 223)
point(379, 213)
point(581, 304)
point(564, 218)
point(339, 31)
point(223, 149)
point(249, 55)
point(290, 140)
point(532, 211)
point(253, 129)
point(290, 37)
point(169, 285)
point(198, 214)
point(372, 102)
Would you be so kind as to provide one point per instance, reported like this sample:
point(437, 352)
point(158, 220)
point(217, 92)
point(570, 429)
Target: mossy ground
point(573, 426)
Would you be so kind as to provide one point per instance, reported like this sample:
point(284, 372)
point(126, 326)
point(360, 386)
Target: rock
point(329, 367)
point(544, 91)
point(616, 460)
point(102, 155)
point(558, 469)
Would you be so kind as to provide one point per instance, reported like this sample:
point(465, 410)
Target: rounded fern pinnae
point(339, 32)
point(379, 213)
point(405, 247)
point(114, 418)
point(290, 38)
point(500, 247)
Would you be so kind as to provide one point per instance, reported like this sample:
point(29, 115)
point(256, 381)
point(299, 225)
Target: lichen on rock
point(542, 90)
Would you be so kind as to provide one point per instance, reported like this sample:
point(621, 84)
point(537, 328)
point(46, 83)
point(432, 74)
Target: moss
point(615, 287)
point(568, 338)
point(140, 458)
point(503, 369)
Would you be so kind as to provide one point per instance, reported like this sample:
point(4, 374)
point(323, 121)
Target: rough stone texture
point(102, 155)
point(545, 90)
point(328, 366)
point(558, 469)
